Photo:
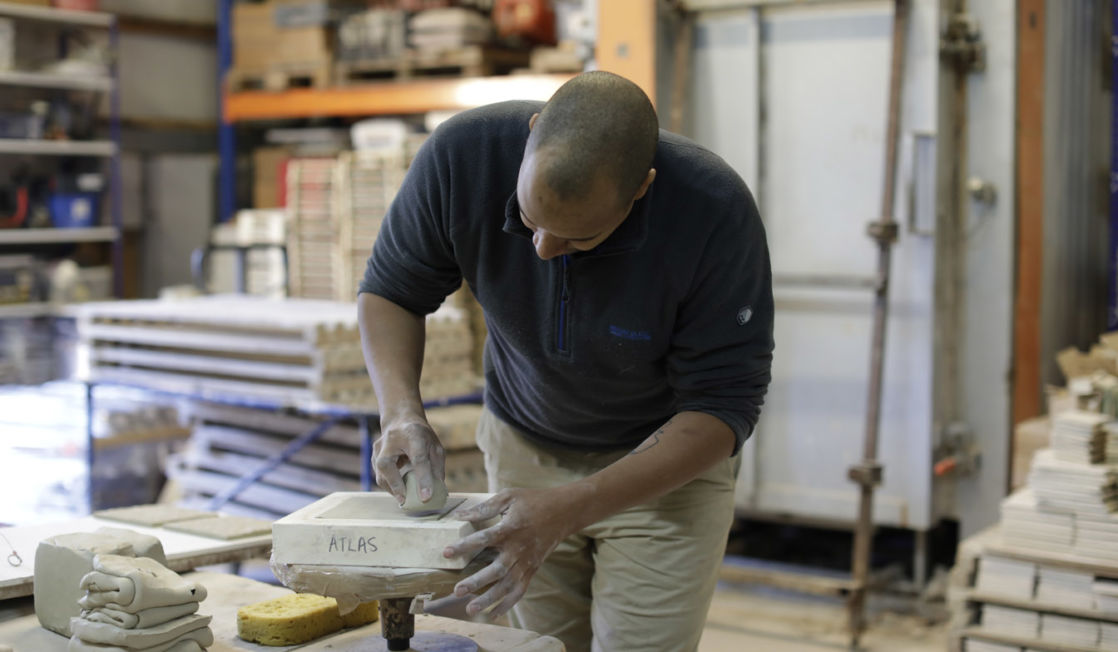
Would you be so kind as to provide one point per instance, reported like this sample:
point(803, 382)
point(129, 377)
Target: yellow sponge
point(298, 618)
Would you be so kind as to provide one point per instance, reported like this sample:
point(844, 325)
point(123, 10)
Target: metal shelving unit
point(108, 149)
point(26, 310)
point(58, 236)
point(385, 98)
point(57, 147)
point(55, 80)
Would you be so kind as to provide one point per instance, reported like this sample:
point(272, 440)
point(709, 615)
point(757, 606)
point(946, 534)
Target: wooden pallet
point(470, 61)
point(279, 77)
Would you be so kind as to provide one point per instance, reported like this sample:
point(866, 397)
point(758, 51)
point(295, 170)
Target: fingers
point(499, 598)
point(481, 579)
point(487, 510)
point(420, 457)
point(389, 477)
point(471, 544)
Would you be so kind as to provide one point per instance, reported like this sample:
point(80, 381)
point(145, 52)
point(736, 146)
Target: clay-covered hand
point(408, 445)
point(533, 522)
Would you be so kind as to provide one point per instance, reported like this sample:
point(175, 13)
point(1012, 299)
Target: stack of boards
point(230, 441)
point(1070, 503)
point(1049, 573)
point(287, 352)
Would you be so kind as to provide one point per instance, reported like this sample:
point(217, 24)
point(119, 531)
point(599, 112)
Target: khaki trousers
point(640, 580)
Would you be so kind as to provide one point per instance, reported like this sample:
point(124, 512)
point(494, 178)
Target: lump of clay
point(412, 503)
point(144, 545)
point(60, 563)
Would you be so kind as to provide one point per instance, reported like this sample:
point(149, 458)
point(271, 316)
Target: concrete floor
point(744, 620)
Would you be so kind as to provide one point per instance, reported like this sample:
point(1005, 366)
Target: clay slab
point(223, 527)
point(353, 528)
point(152, 515)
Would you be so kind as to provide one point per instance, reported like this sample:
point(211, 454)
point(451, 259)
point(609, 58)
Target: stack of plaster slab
point(972, 645)
point(291, 352)
point(1025, 524)
point(135, 604)
point(1021, 623)
point(1108, 636)
point(1064, 587)
point(1106, 595)
point(1007, 577)
point(1080, 437)
point(1065, 630)
point(1089, 492)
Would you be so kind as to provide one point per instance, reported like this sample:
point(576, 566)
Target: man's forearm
point(679, 451)
point(392, 340)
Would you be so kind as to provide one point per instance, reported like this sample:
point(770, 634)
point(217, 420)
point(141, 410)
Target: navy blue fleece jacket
point(672, 313)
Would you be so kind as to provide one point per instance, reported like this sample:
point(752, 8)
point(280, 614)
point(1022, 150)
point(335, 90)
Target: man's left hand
point(533, 523)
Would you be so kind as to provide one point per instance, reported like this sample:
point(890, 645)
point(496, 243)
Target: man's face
point(566, 227)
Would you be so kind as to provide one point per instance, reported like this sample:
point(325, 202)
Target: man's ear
point(532, 121)
point(647, 183)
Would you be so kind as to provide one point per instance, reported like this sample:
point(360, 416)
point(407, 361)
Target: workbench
point(184, 551)
point(226, 593)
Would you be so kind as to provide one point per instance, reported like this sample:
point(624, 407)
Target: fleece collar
point(626, 238)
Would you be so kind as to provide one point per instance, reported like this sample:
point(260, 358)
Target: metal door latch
point(961, 43)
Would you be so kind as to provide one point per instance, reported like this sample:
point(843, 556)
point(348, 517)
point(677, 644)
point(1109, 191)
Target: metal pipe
point(868, 473)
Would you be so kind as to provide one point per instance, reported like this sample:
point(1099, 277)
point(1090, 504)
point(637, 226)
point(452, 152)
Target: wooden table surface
point(226, 593)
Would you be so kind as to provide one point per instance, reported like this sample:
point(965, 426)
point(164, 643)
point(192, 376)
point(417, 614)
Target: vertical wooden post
point(627, 41)
point(1030, 211)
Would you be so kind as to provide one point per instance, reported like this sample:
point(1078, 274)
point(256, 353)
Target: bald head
point(597, 125)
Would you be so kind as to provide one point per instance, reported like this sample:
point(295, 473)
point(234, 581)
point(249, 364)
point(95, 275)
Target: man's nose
point(547, 245)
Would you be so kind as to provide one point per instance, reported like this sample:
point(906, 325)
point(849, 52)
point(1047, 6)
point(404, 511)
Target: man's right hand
point(408, 445)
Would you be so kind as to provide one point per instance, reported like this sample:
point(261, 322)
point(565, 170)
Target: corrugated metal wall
point(1076, 161)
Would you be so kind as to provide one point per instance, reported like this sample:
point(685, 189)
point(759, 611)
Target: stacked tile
point(1108, 636)
point(136, 603)
point(972, 645)
point(1080, 437)
point(314, 268)
point(1006, 577)
point(369, 181)
point(1072, 486)
point(1025, 524)
point(1106, 595)
point(1009, 621)
point(1067, 588)
point(1064, 630)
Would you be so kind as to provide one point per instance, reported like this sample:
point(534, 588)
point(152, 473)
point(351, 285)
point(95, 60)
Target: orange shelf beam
point(389, 98)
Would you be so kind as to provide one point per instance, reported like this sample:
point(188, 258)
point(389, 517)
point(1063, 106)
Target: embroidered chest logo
point(626, 334)
point(744, 315)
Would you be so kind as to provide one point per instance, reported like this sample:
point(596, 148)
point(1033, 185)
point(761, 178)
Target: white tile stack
point(972, 645)
point(1059, 531)
point(1108, 636)
point(1026, 525)
point(1070, 505)
point(1079, 437)
point(1069, 588)
point(1010, 621)
point(1065, 630)
point(1106, 596)
point(1007, 577)
point(315, 270)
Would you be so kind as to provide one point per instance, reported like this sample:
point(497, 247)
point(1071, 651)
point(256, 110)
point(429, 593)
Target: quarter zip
point(564, 306)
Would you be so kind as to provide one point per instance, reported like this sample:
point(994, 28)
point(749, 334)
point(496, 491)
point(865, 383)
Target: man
point(625, 281)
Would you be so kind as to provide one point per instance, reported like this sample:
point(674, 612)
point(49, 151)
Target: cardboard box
point(267, 163)
point(258, 43)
